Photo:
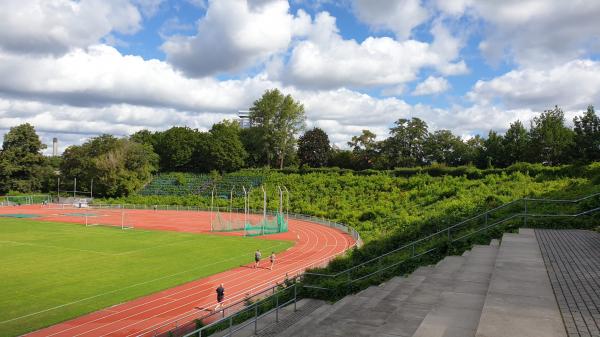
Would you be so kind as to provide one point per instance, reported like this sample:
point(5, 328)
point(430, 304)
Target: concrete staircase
point(489, 291)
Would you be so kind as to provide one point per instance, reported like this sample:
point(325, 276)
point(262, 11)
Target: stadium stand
point(199, 184)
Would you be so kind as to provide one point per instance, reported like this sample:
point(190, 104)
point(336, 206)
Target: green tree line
point(277, 138)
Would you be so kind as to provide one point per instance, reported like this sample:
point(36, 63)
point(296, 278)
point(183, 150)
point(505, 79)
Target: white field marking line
point(108, 255)
point(121, 289)
point(244, 278)
point(186, 314)
point(195, 300)
point(314, 243)
point(56, 247)
point(119, 312)
point(244, 292)
point(240, 294)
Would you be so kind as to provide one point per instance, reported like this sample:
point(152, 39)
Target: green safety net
point(20, 216)
point(267, 226)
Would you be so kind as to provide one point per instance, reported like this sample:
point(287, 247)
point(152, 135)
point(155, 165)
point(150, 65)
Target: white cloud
point(534, 33)
point(399, 16)
point(101, 76)
point(431, 85)
point(572, 85)
point(326, 60)
point(234, 35)
point(39, 26)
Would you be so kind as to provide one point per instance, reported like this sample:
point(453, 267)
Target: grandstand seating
point(199, 184)
point(498, 290)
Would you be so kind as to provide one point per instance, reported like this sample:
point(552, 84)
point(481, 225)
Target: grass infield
point(51, 272)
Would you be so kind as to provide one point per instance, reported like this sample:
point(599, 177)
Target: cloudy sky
point(75, 69)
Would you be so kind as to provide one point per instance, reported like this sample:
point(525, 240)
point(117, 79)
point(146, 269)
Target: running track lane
point(315, 244)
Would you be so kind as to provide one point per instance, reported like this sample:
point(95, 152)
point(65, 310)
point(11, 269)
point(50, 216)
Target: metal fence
point(521, 211)
point(15, 200)
point(303, 217)
point(188, 321)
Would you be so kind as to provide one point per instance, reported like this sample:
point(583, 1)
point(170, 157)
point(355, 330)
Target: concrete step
point(520, 300)
point(412, 309)
point(458, 311)
point(357, 315)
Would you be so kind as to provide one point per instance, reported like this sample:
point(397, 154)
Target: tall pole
point(280, 199)
point(231, 204)
point(92, 189)
point(264, 202)
point(58, 190)
point(74, 187)
point(212, 201)
point(245, 206)
point(287, 207)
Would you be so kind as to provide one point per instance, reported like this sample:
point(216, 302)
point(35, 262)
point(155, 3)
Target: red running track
point(314, 245)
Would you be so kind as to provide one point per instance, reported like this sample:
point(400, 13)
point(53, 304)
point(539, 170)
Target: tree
point(342, 159)
point(117, 166)
point(314, 148)
point(226, 152)
point(475, 148)
point(280, 119)
point(494, 150)
point(587, 135)
point(145, 137)
point(252, 139)
point(444, 147)
point(551, 140)
point(176, 147)
point(23, 168)
point(515, 143)
point(365, 149)
point(405, 146)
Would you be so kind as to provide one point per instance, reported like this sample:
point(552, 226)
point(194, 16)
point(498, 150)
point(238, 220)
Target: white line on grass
point(130, 286)
point(55, 247)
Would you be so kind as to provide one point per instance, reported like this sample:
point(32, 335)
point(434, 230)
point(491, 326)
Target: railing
point(522, 209)
point(518, 209)
point(303, 217)
point(13, 200)
point(251, 314)
point(187, 322)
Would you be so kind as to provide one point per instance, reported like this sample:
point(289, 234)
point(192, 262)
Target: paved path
point(572, 258)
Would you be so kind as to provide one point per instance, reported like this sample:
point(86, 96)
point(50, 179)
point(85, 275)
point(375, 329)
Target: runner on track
point(220, 296)
point(272, 259)
point(257, 257)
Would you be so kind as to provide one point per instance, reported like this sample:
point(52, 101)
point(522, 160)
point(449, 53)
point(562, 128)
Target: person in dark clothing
point(257, 257)
point(220, 296)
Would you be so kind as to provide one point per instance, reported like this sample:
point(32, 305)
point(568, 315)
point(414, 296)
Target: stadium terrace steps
point(498, 290)
point(520, 300)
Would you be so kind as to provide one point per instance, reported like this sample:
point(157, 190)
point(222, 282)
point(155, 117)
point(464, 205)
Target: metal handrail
point(448, 230)
point(510, 217)
point(255, 305)
point(298, 216)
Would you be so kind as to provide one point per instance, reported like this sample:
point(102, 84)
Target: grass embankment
point(380, 204)
point(54, 271)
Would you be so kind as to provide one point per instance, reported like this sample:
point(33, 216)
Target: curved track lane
point(315, 244)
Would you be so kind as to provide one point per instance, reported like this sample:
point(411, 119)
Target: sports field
point(54, 271)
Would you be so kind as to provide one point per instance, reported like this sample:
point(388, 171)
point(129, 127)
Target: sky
point(77, 69)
